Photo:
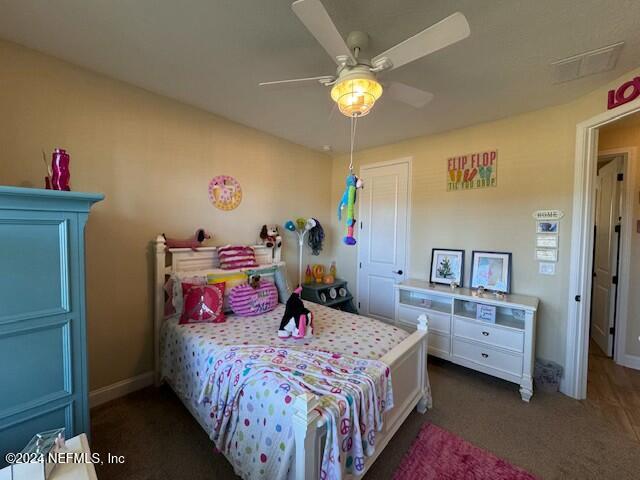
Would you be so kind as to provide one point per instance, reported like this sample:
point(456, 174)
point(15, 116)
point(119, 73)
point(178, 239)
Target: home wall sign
point(541, 215)
point(547, 240)
point(625, 93)
point(472, 171)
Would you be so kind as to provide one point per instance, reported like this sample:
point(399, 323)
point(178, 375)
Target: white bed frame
point(408, 363)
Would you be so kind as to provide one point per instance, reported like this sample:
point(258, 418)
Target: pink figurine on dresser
point(60, 174)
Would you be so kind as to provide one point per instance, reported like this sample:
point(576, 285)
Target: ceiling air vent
point(587, 63)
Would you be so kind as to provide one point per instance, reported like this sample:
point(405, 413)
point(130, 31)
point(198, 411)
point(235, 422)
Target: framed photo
point(447, 266)
point(491, 270)
point(550, 226)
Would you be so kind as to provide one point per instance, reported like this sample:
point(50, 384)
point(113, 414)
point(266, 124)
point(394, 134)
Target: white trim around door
point(574, 382)
point(629, 186)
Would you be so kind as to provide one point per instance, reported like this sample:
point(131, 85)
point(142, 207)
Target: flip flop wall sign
point(472, 170)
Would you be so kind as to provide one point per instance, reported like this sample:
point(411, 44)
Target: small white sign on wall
point(547, 241)
point(546, 255)
point(541, 215)
point(545, 268)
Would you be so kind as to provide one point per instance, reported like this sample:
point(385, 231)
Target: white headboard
point(186, 260)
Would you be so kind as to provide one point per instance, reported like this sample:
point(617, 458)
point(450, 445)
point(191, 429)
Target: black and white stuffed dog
point(270, 237)
point(297, 321)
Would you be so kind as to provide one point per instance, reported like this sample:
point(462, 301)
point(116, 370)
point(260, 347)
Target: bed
point(180, 353)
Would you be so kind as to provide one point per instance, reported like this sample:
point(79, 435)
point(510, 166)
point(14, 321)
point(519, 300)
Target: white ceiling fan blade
point(314, 16)
point(321, 79)
point(439, 35)
point(407, 94)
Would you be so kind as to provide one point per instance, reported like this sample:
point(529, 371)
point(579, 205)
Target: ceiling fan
point(355, 87)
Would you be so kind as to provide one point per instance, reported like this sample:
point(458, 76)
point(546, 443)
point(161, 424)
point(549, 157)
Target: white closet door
point(382, 255)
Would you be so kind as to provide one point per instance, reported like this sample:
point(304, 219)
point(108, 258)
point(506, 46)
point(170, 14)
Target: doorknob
point(398, 272)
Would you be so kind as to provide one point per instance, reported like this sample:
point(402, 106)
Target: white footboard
point(408, 363)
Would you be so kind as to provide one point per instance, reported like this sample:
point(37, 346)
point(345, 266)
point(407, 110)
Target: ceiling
point(212, 54)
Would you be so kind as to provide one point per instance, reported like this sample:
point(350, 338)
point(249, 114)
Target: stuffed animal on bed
point(270, 237)
point(297, 321)
point(192, 242)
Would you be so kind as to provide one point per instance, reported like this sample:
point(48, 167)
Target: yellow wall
point(617, 137)
point(153, 158)
point(535, 171)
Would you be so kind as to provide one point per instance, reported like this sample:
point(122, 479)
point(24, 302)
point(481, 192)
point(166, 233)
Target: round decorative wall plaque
point(225, 192)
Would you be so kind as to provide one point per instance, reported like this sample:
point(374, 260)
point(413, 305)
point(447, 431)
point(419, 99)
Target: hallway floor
point(614, 391)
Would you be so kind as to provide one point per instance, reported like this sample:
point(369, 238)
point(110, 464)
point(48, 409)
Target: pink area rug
point(438, 454)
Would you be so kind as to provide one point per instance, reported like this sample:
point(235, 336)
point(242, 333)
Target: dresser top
point(21, 198)
point(521, 301)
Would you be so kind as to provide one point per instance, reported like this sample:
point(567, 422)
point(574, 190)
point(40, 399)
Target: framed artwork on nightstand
point(491, 270)
point(447, 266)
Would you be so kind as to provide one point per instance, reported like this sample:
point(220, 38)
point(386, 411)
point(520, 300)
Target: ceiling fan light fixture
point(356, 93)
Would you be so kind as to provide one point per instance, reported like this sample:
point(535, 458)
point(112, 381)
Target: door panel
point(608, 197)
point(381, 296)
point(383, 219)
point(383, 237)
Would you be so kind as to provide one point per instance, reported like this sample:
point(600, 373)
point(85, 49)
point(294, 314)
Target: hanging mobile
point(348, 199)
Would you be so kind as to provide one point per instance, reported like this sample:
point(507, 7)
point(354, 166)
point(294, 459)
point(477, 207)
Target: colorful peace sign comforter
point(242, 394)
point(354, 393)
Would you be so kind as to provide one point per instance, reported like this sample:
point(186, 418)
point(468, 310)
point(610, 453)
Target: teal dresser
point(43, 335)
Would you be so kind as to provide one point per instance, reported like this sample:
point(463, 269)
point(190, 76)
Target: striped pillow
point(234, 256)
point(247, 301)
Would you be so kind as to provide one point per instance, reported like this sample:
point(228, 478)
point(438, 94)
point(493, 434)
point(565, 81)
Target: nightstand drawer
point(490, 334)
point(487, 356)
point(440, 322)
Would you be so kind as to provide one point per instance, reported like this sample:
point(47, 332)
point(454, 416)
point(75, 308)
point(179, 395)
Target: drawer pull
point(486, 334)
point(485, 355)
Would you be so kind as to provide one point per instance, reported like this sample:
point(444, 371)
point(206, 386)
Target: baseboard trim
point(631, 361)
point(119, 389)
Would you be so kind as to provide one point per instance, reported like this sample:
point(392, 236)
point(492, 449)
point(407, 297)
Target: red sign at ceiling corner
point(625, 93)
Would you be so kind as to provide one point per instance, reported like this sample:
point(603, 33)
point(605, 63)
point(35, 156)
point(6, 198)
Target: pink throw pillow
point(247, 301)
point(202, 303)
point(236, 256)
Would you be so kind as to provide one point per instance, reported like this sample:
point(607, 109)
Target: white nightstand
point(62, 471)
point(503, 346)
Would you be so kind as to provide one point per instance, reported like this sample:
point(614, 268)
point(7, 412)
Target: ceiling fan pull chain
point(354, 124)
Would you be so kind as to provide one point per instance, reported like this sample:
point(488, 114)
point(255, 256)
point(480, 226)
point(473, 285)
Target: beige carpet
point(552, 437)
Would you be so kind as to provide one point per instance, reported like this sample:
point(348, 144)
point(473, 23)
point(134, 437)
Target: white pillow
point(178, 280)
